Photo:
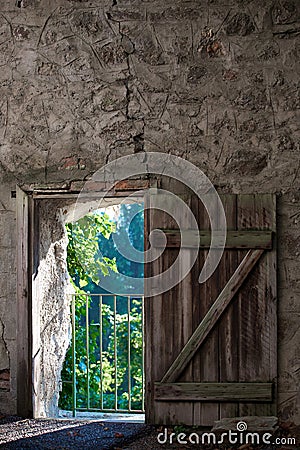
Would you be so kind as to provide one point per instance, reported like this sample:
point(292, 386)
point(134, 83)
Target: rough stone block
point(240, 24)
point(288, 301)
point(288, 406)
point(284, 12)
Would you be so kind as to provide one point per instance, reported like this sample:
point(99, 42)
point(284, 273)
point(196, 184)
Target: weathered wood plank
point(183, 309)
point(199, 312)
point(212, 315)
point(156, 335)
point(214, 392)
point(257, 304)
point(235, 239)
point(163, 341)
point(209, 352)
point(271, 282)
point(148, 318)
point(169, 339)
point(219, 359)
point(23, 368)
point(228, 337)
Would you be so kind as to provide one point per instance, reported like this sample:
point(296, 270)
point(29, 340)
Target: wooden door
point(211, 348)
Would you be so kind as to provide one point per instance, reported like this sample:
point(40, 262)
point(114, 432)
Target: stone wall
point(216, 82)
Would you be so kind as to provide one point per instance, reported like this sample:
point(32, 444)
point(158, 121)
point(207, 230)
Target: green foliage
point(84, 262)
point(84, 266)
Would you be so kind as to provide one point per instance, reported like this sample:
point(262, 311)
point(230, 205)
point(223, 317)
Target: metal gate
point(104, 367)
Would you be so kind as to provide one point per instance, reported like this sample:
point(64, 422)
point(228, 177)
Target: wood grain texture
point(193, 239)
point(257, 304)
point(208, 354)
point(24, 406)
point(165, 317)
point(155, 334)
point(213, 315)
point(198, 314)
point(214, 392)
point(228, 338)
point(209, 344)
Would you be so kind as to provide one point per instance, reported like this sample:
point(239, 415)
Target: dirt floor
point(55, 434)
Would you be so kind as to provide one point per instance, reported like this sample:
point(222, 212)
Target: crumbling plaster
point(216, 82)
point(52, 291)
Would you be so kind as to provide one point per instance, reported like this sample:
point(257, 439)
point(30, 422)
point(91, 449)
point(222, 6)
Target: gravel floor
point(52, 434)
point(17, 433)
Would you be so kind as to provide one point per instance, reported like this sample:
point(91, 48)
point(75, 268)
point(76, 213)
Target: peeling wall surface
point(215, 82)
point(53, 287)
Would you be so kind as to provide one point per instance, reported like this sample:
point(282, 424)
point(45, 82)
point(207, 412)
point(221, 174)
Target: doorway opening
point(103, 372)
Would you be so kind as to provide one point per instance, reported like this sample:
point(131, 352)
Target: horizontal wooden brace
point(250, 239)
point(214, 392)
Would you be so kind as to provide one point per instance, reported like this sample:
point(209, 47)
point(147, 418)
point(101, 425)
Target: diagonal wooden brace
point(212, 316)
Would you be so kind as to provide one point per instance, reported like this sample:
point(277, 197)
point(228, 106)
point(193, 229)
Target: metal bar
point(73, 357)
point(115, 353)
point(108, 295)
point(87, 350)
point(143, 356)
point(129, 353)
point(101, 347)
point(136, 411)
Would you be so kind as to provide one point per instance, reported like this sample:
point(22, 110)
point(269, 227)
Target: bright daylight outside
point(103, 369)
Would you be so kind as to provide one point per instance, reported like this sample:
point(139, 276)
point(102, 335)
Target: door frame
point(28, 340)
point(27, 298)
